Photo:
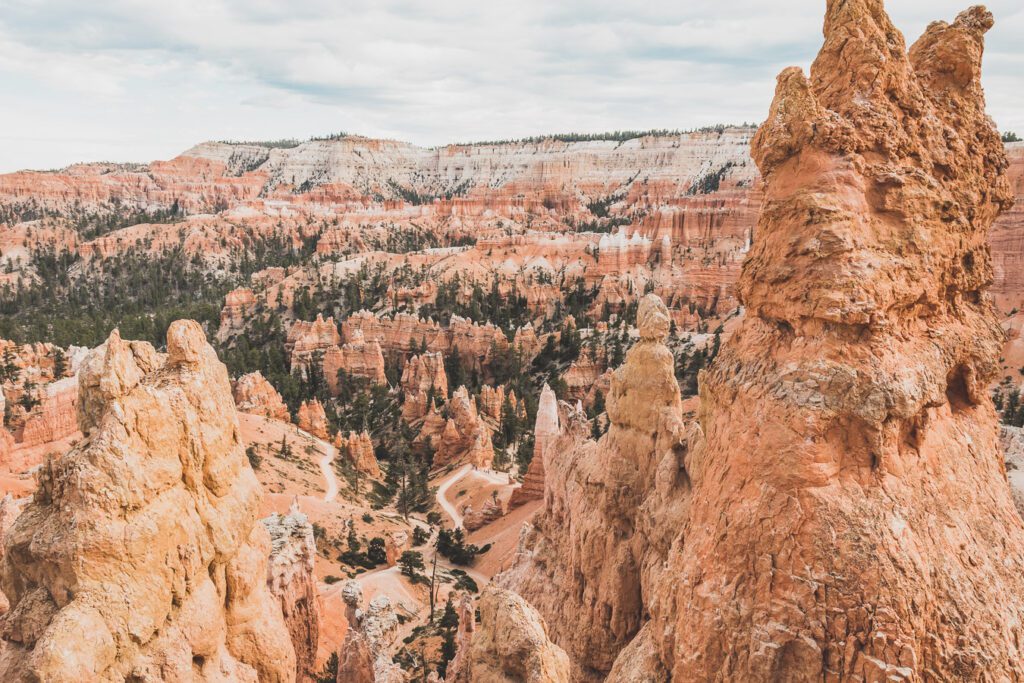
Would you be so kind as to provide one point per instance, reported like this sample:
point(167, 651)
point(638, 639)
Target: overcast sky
point(136, 80)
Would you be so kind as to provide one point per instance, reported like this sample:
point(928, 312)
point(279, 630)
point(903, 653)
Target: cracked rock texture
point(140, 556)
point(509, 646)
point(292, 580)
point(840, 508)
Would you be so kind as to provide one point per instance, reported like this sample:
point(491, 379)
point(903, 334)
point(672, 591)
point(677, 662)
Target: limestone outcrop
point(140, 556)
point(509, 646)
point(256, 396)
point(839, 510)
point(545, 432)
point(292, 580)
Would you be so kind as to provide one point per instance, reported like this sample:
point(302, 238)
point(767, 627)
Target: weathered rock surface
point(423, 377)
point(312, 418)
point(308, 338)
point(510, 645)
point(358, 358)
point(1012, 441)
point(365, 654)
point(840, 511)
point(140, 556)
point(489, 511)
point(463, 437)
point(256, 396)
point(291, 579)
point(591, 538)
point(357, 448)
point(239, 304)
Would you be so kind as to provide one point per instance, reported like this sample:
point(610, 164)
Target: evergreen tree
point(60, 363)
point(411, 562)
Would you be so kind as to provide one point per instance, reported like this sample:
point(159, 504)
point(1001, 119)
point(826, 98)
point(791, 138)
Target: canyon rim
point(736, 403)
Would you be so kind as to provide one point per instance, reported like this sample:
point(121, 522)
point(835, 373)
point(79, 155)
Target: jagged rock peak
point(140, 556)
point(511, 644)
point(652, 319)
point(858, 375)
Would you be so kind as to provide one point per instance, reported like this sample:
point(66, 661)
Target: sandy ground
point(503, 535)
point(466, 486)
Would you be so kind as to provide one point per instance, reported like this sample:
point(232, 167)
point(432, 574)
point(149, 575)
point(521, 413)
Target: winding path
point(443, 489)
point(326, 464)
point(442, 500)
point(327, 469)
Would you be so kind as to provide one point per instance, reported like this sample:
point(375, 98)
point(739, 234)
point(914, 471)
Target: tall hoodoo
point(510, 646)
point(850, 515)
point(140, 556)
point(840, 509)
point(291, 577)
point(545, 433)
point(593, 538)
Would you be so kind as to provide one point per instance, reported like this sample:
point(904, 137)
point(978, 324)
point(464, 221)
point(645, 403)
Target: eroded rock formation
point(291, 579)
point(140, 556)
point(510, 646)
point(545, 432)
point(592, 537)
point(305, 339)
point(490, 511)
point(365, 655)
point(357, 448)
point(358, 358)
point(463, 437)
point(256, 396)
point(312, 418)
point(423, 377)
point(840, 510)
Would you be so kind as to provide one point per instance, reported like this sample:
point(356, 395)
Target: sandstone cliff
point(140, 556)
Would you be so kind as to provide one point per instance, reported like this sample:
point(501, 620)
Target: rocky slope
point(840, 508)
point(140, 556)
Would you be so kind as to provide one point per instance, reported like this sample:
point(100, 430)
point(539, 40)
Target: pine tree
point(60, 363)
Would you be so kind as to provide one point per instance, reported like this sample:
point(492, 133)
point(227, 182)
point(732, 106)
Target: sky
point(138, 80)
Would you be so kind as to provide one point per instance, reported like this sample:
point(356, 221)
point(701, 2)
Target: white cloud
point(141, 79)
